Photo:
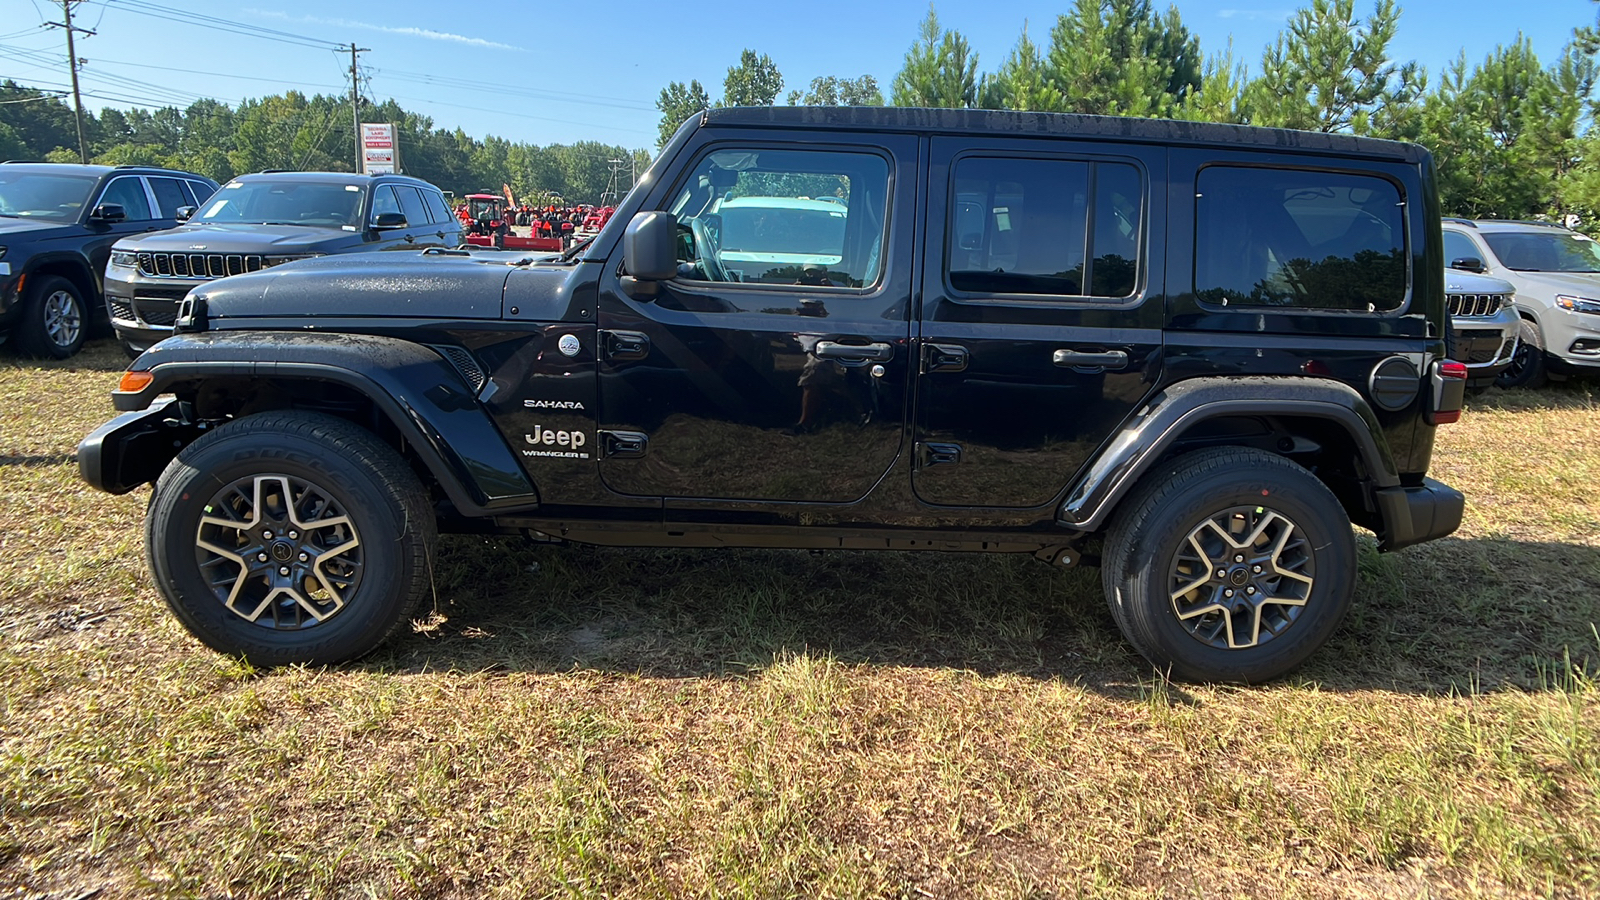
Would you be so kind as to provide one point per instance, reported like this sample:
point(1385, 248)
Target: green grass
point(577, 722)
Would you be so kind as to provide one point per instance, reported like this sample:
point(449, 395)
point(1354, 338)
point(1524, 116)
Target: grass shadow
point(1454, 616)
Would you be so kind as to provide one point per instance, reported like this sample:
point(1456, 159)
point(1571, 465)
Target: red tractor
point(488, 226)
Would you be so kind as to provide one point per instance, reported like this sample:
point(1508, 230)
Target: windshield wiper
point(572, 251)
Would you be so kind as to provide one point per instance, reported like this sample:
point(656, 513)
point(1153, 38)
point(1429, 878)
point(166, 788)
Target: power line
point(187, 17)
point(72, 66)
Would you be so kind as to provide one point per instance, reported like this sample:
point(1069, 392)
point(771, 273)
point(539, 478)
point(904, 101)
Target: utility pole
point(355, 101)
point(72, 63)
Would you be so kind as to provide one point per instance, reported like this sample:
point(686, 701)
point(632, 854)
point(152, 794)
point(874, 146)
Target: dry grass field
point(602, 723)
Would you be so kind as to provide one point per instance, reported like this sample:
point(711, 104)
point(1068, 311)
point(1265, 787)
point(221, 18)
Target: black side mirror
point(386, 221)
point(108, 213)
point(1468, 264)
point(649, 247)
point(184, 213)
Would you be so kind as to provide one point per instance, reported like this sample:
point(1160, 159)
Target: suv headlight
point(1578, 304)
point(268, 262)
point(124, 259)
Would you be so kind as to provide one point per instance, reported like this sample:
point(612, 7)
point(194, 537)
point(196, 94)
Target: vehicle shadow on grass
point(1457, 615)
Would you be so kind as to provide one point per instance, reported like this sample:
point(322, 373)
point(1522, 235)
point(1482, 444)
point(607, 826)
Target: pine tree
point(940, 69)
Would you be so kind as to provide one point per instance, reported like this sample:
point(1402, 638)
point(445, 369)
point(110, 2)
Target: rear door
point(776, 366)
point(1041, 321)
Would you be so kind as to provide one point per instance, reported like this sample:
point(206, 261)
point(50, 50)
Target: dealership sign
point(378, 151)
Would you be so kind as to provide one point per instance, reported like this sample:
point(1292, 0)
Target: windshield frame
point(259, 189)
point(16, 176)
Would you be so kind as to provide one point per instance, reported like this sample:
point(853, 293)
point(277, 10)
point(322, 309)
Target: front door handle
point(879, 352)
point(1090, 359)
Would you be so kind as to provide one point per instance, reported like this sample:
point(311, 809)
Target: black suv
point(1190, 354)
point(57, 224)
point(259, 221)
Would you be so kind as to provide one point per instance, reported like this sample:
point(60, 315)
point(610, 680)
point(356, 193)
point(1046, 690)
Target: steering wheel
point(706, 249)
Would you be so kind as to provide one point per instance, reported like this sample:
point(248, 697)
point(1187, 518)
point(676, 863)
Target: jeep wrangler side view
point(1192, 354)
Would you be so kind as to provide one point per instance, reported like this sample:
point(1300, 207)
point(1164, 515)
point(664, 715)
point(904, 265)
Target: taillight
point(1449, 391)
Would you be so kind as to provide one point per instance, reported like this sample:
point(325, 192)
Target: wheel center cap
point(1238, 577)
point(282, 551)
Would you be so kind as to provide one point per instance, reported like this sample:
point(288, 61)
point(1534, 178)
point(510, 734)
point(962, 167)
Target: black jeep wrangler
point(1191, 354)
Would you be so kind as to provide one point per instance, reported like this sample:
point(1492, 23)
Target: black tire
point(350, 474)
point(1527, 369)
point(55, 320)
point(1148, 543)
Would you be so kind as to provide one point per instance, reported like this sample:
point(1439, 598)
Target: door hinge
point(943, 358)
point(935, 454)
point(625, 344)
point(623, 444)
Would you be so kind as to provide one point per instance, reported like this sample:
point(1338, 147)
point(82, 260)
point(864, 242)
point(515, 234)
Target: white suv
point(1556, 273)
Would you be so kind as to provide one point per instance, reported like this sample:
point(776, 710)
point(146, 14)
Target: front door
point(775, 367)
point(1042, 313)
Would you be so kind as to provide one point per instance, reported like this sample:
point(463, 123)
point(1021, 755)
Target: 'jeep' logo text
point(568, 443)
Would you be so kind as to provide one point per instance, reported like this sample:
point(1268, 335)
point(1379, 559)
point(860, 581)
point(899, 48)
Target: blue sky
point(568, 70)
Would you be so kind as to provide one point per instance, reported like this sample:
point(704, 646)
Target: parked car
point(1190, 354)
point(57, 224)
point(259, 221)
point(1556, 274)
point(1484, 324)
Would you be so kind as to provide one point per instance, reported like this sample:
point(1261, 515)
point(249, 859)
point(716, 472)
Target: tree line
point(1511, 133)
point(294, 131)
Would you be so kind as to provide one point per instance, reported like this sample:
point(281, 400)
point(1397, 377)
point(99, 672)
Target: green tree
point(1022, 82)
point(940, 69)
point(1118, 57)
point(826, 90)
point(677, 103)
point(1331, 71)
point(1224, 84)
point(754, 81)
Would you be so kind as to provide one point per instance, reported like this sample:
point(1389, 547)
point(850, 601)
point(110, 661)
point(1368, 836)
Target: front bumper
point(1486, 344)
point(1412, 515)
point(142, 308)
point(133, 448)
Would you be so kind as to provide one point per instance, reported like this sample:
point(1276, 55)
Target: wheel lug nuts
point(1256, 569)
point(1251, 591)
point(1228, 592)
point(1238, 557)
point(304, 557)
point(267, 535)
point(294, 535)
point(283, 570)
point(1221, 574)
point(261, 557)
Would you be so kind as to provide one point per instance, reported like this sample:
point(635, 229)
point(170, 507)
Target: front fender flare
point(416, 388)
point(1153, 429)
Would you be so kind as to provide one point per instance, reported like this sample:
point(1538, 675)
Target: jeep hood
point(29, 227)
point(386, 285)
point(230, 238)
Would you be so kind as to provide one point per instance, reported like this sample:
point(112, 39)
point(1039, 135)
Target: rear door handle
point(1090, 359)
point(879, 352)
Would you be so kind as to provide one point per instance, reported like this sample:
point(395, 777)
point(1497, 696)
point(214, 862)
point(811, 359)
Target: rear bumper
point(1412, 515)
point(132, 449)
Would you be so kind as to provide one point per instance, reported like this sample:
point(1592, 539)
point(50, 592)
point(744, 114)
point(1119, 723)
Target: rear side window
point(436, 206)
point(411, 205)
point(1045, 227)
point(169, 196)
point(202, 191)
point(1298, 239)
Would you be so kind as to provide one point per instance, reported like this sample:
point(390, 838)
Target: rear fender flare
point(1166, 416)
point(420, 393)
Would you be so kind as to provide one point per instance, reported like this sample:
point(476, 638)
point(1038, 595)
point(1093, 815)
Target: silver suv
point(1485, 324)
point(1556, 273)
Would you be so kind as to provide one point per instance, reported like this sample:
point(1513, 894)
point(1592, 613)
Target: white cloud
point(425, 33)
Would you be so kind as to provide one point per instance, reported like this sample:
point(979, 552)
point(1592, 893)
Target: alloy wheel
point(63, 321)
point(1241, 577)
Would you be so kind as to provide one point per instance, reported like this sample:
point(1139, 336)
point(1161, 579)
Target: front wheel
point(54, 319)
point(1527, 367)
point(1230, 564)
point(290, 538)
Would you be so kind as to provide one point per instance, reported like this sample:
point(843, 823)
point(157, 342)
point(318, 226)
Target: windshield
point(319, 204)
point(44, 195)
point(776, 229)
point(1556, 251)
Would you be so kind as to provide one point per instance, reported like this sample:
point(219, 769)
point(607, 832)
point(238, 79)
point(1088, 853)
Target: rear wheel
point(54, 319)
point(1229, 564)
point(1527, 367)
point(290, 538)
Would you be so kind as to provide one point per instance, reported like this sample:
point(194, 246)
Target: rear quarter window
point(1299, 239)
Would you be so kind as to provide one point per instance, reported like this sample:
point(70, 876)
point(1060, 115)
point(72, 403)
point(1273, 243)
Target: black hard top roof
point(332, 177)
point(1026, 124)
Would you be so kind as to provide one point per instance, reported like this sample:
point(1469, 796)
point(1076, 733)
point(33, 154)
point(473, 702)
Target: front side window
point(1045, 227)
point(1459, 246)
point(129, 193)
point(790, 217)
point(384, 201)
point(39, 195)
point(313, 204)
point(1547, 250)
point(1298, 239)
